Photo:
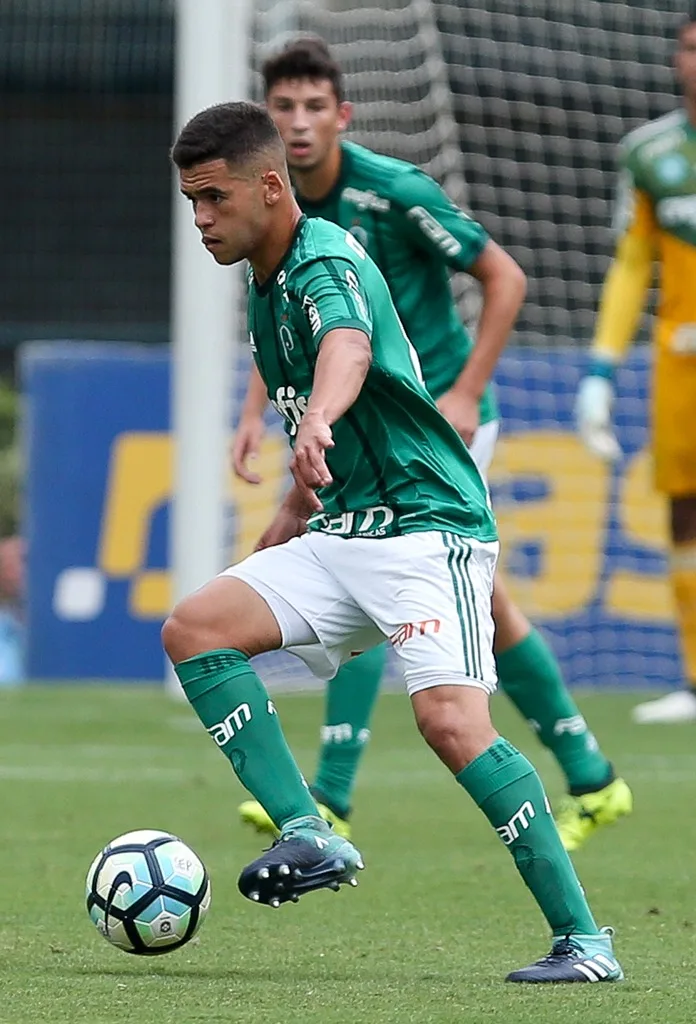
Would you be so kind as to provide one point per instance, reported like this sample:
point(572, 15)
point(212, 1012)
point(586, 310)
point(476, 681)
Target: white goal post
point(212, 57)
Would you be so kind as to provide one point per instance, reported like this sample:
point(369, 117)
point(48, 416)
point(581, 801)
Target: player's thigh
point(430, 593)
point(225, 613)
point(318, 619)
point(674, 424)
point(511, 624)
point(482, 447)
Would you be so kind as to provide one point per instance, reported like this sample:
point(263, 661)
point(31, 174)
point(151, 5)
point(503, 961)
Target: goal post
point(212, 54)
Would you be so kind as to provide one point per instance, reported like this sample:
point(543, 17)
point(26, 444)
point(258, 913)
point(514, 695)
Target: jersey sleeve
point(630, 274)
point(633, 211)
point(329, 293)
point(434, 223)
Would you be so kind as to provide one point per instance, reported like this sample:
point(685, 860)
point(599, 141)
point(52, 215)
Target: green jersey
point(414, 233)
point(659, 161)
point(397, 465)
point(657, 207)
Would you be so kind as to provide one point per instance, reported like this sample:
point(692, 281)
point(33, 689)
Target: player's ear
point(274, 187)
point(345, 115)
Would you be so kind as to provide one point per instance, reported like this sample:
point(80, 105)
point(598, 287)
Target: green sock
point(234, 706)
point(509, 792)
point(350, 698)
point(531, 677)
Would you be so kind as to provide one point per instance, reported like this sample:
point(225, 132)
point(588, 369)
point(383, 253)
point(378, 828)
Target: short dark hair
point(235, 132)
point(306, 57)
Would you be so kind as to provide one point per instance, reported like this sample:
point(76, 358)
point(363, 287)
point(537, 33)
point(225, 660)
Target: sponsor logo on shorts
point(404, 633)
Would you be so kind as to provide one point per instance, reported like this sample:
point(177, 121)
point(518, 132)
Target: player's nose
point(300, 121)
point(204, 217)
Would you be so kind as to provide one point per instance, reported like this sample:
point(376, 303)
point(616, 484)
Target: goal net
point(517, 110)
point(398, 80)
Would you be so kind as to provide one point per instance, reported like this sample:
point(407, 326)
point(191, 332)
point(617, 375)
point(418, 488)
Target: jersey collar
point(264, 289)
point(312, 205)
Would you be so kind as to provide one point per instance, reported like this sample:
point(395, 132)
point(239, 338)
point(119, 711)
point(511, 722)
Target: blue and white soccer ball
point(147, 892)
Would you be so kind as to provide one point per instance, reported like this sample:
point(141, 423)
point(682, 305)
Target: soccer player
point(656, 227)
point(388, 533)
point(415, 234)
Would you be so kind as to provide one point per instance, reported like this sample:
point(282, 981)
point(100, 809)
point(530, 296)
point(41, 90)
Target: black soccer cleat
point(572, 959)
point(308, 855)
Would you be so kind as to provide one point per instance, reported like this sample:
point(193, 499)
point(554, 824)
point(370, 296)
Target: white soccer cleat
point(679, 706)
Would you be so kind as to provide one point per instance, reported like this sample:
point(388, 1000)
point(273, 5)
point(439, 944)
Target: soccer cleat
point(252, 813)
point(679, 706)
point(308, 855)
point(574, 958)
point(579, 816)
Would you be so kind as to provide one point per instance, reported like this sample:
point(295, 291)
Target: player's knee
point(456, 725)
point(174, 633)
point(441, 722)
point(186, 632)
point(439, 733)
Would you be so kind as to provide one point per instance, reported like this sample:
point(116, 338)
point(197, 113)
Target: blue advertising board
point(583, 543)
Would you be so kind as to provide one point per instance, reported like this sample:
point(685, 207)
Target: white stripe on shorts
point(465, 597)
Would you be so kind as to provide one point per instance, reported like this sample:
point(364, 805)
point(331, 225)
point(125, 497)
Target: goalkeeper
point(415, 235)
point(656, 226)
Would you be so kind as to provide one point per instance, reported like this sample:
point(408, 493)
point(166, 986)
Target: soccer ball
point(147, 892)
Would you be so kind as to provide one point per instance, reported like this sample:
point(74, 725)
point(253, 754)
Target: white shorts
point(482, 447)
point(428, 593)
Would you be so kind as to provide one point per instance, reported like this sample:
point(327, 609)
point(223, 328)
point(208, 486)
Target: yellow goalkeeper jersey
point(656, 222)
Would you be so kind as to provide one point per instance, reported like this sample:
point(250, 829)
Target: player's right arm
point(336, 313)
point(342, 364)
point(251, 429)
point(621, 305)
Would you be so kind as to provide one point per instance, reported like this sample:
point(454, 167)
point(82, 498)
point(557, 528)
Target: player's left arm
point(336, 308)
point(438, 227)
point(503, 284)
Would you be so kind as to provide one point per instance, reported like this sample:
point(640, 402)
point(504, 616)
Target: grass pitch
point(438, 919)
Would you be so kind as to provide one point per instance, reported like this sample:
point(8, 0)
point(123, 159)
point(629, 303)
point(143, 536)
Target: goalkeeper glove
point(593, 404)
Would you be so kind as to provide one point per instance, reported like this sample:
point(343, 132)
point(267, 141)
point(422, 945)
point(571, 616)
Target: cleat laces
point(562, 949)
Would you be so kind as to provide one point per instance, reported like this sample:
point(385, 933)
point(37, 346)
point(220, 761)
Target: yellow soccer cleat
point(252, 813)
point(580, 816)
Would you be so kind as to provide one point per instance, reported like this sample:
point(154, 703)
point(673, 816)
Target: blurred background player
point(656, 224)
point(416, 235)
